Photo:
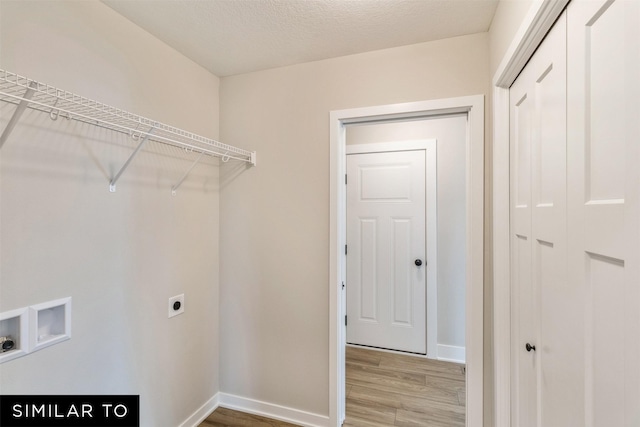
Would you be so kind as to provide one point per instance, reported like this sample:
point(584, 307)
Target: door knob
point(418, 262)
point(530, 347)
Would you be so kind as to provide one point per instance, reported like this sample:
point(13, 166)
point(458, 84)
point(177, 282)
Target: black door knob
point(418, 262)
point(530, 347)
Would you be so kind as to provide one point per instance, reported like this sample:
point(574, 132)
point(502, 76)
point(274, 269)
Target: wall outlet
point(176, 305)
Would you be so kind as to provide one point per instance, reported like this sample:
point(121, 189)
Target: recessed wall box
point(50, 323)
point(14, 327)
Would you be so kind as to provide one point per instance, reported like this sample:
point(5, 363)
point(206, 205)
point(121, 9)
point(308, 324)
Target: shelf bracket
point(112, 184)
point(186, 174)
point(28, 94)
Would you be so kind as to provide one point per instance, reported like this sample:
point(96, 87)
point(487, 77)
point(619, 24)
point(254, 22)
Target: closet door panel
point(544, 304)
point(604, 189)
point(560, 330)
point(523, 325)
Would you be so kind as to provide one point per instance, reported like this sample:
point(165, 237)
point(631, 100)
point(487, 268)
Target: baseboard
point(451, 353)
point(203, 412)
point(270, 410)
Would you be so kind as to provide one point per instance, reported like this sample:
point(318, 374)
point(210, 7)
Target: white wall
point(274, 294)
point(121, 255)
point(506, 21)
point(451, 133)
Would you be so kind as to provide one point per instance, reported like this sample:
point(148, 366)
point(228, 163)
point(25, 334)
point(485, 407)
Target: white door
point(546, 333)
point(386, 265)
point(575, 222)
point(604, 192)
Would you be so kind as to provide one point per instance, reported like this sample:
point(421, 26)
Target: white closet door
point(545, 392)
point(604, 214)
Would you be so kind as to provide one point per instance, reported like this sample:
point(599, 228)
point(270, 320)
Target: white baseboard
point(451, 353)
point(270, 410)
point(203, 412)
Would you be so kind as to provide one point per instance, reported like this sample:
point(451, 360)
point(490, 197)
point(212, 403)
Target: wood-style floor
point(223, 417)
point(389, 389)
point(383, 390)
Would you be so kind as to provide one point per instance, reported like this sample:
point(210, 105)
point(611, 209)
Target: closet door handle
point(418, 262)
point(530, 347)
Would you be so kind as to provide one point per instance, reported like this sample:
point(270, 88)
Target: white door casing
point(473, 106)
point(540, 18)
point(391, 202)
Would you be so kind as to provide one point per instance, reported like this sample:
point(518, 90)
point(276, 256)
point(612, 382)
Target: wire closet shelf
point(28, 93)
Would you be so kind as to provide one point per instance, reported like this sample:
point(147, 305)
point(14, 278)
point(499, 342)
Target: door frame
point(538, 21)
point(473, 107)
point(430, 147)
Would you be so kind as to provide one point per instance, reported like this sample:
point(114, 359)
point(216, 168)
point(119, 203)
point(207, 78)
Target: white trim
point(382, 147)
point(501, 259)
point(202, 412)
point(430, 146)
point(451, 353)
point(445, 353)
point(255, 407)
point(473, 106)
point(386, 350)
point(271, 410)
point(535, 26)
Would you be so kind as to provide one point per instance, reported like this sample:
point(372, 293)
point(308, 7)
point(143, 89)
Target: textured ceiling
point(237, 36)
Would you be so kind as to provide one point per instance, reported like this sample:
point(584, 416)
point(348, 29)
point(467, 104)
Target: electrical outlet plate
point(172, 301)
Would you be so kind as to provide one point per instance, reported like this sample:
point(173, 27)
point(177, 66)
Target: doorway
point(473, 108)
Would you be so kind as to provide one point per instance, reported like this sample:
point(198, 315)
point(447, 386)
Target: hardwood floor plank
point(352, 421)
point(223, 417)
point(430, 419)
point(386, 376)
point(374, 396)
point(434, 393)
point(363, 356)
point(426, 366)
point(371, 412)
point(398, 399)
point(446, 383)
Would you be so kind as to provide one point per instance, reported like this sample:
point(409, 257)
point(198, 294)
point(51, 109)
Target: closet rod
point(28, 93)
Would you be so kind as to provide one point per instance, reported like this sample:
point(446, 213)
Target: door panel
point(368, 262)
point(604, 214)
point(541, 315)
point(386, 206)
point(402, 272)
